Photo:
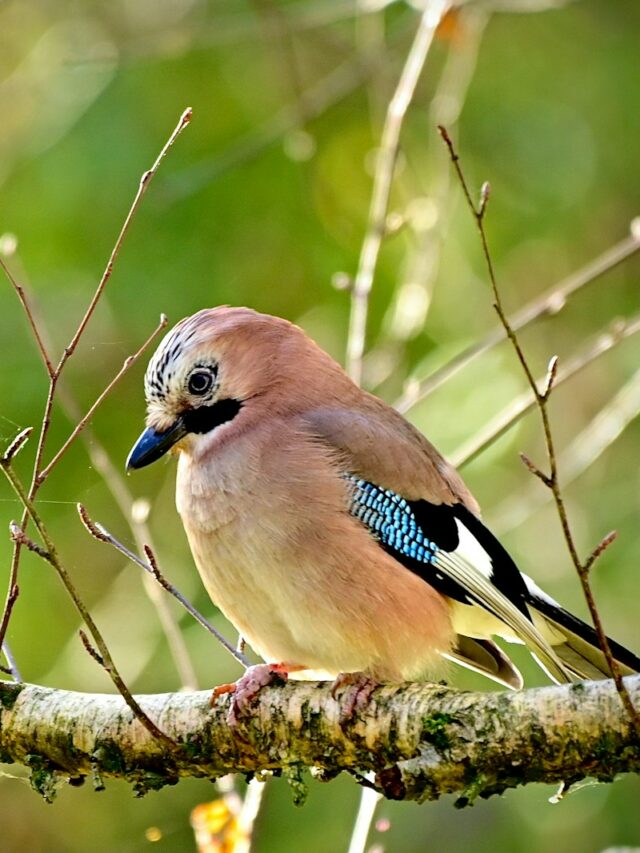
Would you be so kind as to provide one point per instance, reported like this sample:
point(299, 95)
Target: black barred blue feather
point(393, 523)
point(450, 549)
point(390, 517)
point(420, 535)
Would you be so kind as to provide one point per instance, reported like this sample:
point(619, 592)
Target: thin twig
point(12, 596)
point(116, 483)
point(382, 182)
point(128, 363)
point(150, 565)
point(36, 481)
point(18, 535)
point(551, 479)
point(317, 99)
point(250, 808)
point(550, 302)
point(17, 444)
point(93, 652)
point(585, 447)
point(526, 402)
point(600, 548)
point(50, 554)
point(27, 310)
point(12, 669)
point(429, 231)
point(369, 799)
point(145, 180)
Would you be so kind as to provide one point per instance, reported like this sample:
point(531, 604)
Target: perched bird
point(328, 530)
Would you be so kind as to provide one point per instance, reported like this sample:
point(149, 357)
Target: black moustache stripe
point(206, 418)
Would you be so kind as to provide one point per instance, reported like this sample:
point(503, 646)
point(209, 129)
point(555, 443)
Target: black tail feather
point(581, 639)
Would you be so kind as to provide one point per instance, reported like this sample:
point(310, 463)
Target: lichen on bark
point(416, 741)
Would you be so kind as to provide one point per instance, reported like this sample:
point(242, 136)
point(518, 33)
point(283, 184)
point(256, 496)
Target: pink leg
point(353, 690)
point(247, 687)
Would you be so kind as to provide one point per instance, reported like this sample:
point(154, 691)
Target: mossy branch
point(419, 741)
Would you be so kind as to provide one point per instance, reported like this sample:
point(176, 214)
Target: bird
point(325, 526)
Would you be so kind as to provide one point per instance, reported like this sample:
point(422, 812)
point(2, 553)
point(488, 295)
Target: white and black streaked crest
point(163, 366)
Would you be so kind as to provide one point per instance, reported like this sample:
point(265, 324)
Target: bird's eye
point(200, 382)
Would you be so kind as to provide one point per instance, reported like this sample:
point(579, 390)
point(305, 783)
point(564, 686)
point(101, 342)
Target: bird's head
point(213, 367)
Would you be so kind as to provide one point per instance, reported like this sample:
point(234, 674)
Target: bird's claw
point(247, 687)
point(353, 690)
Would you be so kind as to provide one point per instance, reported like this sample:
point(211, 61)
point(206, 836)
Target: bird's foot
point(353, 690)
point(247, 687)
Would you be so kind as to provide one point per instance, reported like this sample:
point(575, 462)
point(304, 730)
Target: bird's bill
point(152, 444)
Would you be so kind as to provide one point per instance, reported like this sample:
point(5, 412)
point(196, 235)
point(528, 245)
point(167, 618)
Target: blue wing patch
point(416, 532)
point(392, 521)
point(390, 518)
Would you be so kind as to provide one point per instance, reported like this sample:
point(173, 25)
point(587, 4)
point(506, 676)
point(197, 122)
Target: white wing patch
point(536, 592)
point(472, 552)
point(470, 566)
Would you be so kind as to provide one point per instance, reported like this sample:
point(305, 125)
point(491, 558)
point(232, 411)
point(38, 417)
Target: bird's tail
point(573, 641)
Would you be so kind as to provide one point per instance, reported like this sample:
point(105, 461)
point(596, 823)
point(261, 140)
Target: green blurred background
point(262, 202)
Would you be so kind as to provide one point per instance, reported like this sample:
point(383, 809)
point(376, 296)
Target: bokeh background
point(263, 201)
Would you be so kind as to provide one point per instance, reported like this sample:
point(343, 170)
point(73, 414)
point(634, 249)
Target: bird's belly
point(303, 581)
point(327, 611)
point(258, 589)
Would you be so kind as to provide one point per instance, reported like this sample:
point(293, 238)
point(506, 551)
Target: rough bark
point(419, 740)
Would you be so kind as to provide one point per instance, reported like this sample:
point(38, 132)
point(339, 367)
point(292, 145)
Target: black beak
point(152, 445)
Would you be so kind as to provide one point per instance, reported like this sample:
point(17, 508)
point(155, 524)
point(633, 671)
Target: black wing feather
point(555, 613)
point(415, 531)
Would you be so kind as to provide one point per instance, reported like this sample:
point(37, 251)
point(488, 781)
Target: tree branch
point(419, 740)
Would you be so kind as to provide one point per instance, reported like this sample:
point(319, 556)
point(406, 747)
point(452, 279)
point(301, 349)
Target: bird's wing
point(487, 658)
point(379, 445)
point(452, 550)
point(431, 529)
point(577, 643)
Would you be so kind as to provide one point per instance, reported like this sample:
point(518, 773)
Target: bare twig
point(12, 596)
point(128, 363)
point(600, 548)
point(145, 180)
point(585, 447)
point(313, 102)
point(12, 668)
point(18, 535)
point(518, 408)
point(50, 554)
point(250, 809)
point(92, 652)
point(27, 310)
point(427, 211)
point(37, 479)
point(382, 182)
point(550, 302)
point(17, 444)
point(369, 799)
point(551, 479)
point(150, 565)
point(116, 483)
